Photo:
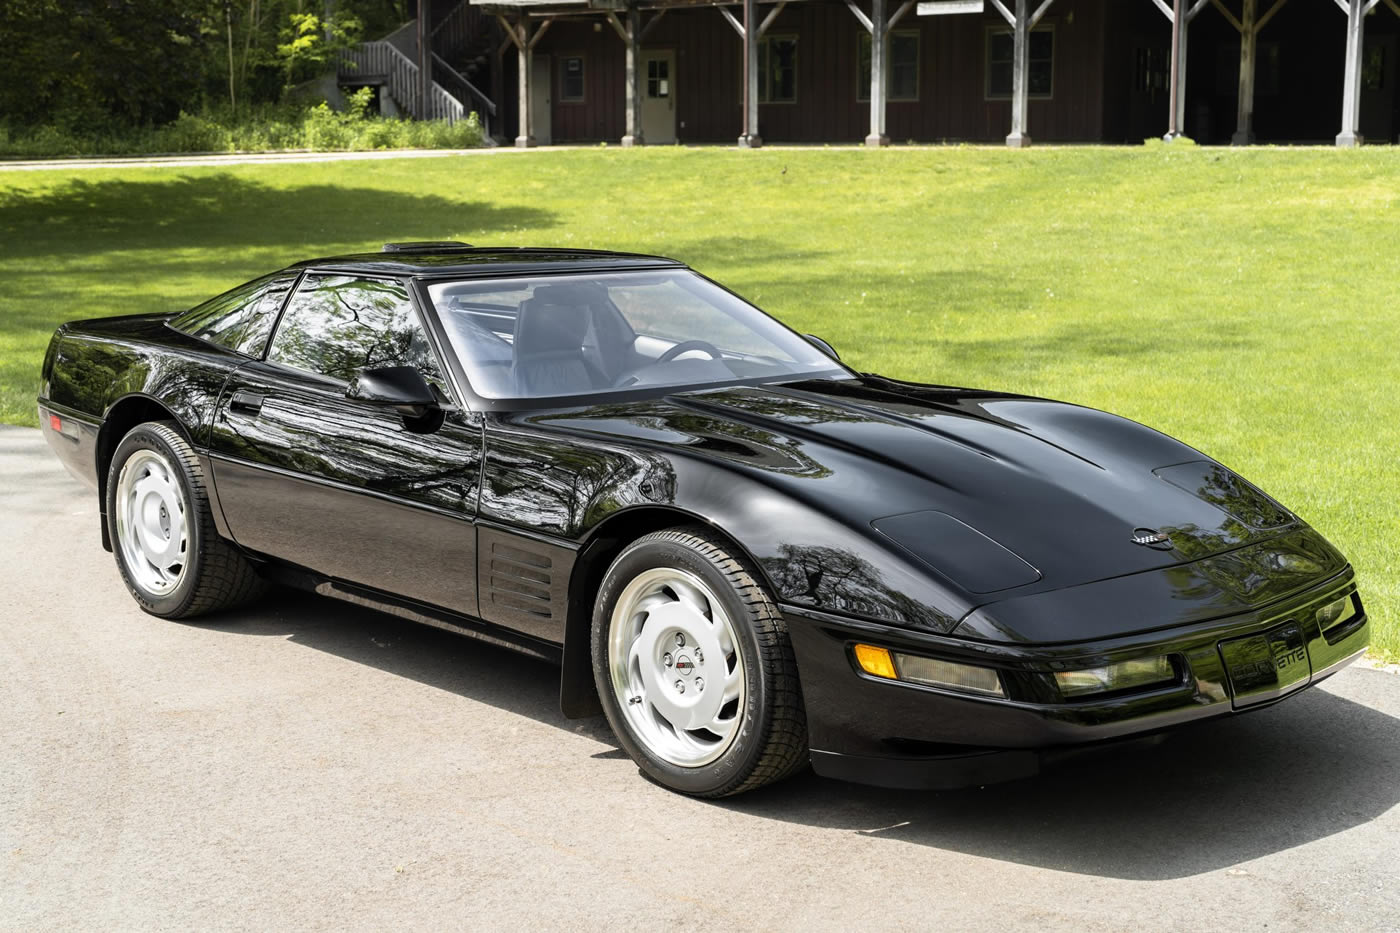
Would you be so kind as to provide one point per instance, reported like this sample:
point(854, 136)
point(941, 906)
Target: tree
point(83, 62)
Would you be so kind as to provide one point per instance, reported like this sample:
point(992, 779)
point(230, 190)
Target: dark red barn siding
point(952, 102)
point(1110, 76)
point(599, 116)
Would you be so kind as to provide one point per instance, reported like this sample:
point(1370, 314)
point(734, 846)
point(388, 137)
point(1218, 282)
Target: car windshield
point(551, 336)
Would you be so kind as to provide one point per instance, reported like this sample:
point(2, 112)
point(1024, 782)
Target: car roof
point(486, 260)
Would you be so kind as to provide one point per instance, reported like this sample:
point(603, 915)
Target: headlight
point(895, 665)
point(1125, 675)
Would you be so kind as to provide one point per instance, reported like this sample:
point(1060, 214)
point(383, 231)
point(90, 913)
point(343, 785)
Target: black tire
point(771, 740)
point(215, 575)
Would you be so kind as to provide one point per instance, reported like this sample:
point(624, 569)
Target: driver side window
point(336, 325)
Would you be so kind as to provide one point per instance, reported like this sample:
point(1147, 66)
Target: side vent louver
point(520, 580)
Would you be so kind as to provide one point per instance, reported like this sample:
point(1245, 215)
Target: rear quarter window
point(241, 319)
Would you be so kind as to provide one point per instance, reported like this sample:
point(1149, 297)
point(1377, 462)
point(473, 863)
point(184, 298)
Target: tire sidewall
point(147, 437)
point(743, 755)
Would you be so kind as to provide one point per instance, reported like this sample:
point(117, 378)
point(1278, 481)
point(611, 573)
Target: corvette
point(748, 556)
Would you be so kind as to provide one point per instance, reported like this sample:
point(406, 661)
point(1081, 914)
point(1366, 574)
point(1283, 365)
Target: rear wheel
point(694, 667)
point(168, 551)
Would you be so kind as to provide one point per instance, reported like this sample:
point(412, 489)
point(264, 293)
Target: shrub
point(267, 128)
point(190, 133)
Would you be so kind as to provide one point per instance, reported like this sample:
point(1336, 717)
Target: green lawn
point(1247, 302)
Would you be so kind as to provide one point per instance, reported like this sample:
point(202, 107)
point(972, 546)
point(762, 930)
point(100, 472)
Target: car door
point(350, 489)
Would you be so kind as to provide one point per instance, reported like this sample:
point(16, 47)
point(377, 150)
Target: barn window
point(777, 70)
point(571, 78)
point(901, 66)
point(1041, 62)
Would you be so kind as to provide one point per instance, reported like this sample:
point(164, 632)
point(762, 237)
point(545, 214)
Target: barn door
point(659, 97)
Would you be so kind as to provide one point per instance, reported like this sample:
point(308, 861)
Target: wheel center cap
point(685, 666)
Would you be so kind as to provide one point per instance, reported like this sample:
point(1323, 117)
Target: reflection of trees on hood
point(1256, 574)
point(608, 483)
point(835, 578)
point(714, 434)
point(1245, 511)
point(1230, 493)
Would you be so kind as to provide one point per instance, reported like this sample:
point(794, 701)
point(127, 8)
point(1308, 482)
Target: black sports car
point(749, 555)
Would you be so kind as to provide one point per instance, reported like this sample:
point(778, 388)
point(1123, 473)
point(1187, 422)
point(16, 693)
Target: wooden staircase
point(464, 36)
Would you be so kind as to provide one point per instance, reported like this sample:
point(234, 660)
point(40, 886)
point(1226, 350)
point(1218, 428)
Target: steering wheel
point(685, 346)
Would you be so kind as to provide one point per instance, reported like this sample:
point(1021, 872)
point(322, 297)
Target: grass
point(1247, 302)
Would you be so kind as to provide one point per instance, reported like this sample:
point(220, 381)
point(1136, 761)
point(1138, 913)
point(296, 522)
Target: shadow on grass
point(1205, 799)
point(223, 210)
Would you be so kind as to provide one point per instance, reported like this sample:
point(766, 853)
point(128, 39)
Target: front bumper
point(898, 734)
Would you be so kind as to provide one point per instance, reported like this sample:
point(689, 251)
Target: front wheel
point(694, 667)
point(168, 551)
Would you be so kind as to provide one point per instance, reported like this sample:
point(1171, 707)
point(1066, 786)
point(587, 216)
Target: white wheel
point(168, 551)
point(676, 669)
point(694, 668)
point(151, 523)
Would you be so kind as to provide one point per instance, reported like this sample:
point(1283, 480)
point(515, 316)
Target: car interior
point(543, 340)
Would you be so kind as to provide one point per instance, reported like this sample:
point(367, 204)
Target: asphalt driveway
point(309, 765)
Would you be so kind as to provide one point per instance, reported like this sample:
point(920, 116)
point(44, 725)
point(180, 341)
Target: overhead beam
point(772, 15)
point(539, 33)
point(899, 14)
point(860, 15)
point(1225, 11)
point(651, 23)
point(617, 26)
point(733, 21)
point(1264, 20)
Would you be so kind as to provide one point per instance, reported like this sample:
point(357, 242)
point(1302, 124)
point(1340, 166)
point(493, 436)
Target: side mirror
point(400, 387)
point(823, 346)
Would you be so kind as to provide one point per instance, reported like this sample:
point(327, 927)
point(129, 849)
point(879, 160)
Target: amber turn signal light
point(875, 661)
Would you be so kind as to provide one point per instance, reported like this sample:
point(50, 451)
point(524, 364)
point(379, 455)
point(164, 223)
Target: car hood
point(994, 492)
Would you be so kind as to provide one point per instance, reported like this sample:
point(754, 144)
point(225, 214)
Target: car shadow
point(1205, 798)
point(485, 673)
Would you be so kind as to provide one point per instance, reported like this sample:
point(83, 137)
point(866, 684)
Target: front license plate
point(1265, 666)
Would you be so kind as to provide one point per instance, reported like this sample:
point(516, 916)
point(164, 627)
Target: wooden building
point(844, 71)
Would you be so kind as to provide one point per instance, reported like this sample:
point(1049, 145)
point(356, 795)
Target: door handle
point(245, 401)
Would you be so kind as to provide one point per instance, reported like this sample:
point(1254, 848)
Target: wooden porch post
point(1249, 40)
point(879, 37)
point(1020, 76)
point(750, 138)
point(425, 61)
point(632, 80)
point(498, 84)
point(1351, 86)
point(1176, 109)
point(526, 59)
